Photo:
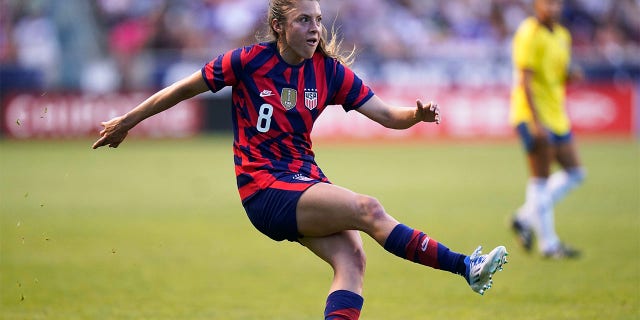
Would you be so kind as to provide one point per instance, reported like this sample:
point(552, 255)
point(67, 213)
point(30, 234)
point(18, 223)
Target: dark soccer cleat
point(481, 267)
point(523, 233)
point(562, 251)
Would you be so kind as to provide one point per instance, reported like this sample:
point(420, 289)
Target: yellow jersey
point(546, 53)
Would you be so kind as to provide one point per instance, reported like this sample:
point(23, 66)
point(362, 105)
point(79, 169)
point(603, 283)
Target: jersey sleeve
point(351, 92)
point(525, 54)
point(223, 71)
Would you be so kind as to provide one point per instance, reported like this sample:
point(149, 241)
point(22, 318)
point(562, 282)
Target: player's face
point(301, 33)
point(548, 10)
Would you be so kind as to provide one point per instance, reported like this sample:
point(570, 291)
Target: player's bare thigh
point(325, 209)
point(540, 157)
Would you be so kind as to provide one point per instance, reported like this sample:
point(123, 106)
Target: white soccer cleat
point(481, 267)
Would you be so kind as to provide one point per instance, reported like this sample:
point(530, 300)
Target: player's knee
point(369, 209)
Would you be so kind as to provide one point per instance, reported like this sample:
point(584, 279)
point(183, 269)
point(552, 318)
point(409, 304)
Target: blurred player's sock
point(416, 246)
point(539, 215)
point(343, 305)
point(561, 182)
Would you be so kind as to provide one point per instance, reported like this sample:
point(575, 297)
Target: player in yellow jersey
point(541, 58)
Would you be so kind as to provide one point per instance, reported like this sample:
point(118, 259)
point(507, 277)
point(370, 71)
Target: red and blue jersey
point(274, 107)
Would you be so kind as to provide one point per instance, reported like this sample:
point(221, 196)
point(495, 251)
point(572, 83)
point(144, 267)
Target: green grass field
point(155, 230)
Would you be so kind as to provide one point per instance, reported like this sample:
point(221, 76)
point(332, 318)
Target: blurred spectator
point(148, 43)
point(30, 47)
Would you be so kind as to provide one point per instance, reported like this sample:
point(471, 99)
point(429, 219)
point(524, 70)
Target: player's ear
point(276, 26)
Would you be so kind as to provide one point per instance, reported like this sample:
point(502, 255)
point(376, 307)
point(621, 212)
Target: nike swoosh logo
point(266, 93)
point(425, 242)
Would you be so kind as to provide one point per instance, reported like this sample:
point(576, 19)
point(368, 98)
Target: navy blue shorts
point(527, 138)
point(273, 210)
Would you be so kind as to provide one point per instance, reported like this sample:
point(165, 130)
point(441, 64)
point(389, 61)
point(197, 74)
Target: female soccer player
point(541, 56)
point(280, 87)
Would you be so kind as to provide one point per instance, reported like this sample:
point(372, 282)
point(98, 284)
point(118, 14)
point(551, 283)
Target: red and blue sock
point(343, 305)
point(416, 246)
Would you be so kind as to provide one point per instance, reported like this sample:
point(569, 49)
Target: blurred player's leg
point(559, 185)
point(537, 212)
point(548, 239)
point(571, 175)
point(536, 216)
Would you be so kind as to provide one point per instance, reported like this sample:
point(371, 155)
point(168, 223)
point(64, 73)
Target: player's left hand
point(427, 113)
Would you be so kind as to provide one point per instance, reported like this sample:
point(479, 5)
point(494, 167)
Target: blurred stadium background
point(60, 59)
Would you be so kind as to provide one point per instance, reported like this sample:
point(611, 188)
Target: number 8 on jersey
point(264, 120)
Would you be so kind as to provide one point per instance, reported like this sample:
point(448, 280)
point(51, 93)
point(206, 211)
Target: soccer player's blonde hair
point(278, 9)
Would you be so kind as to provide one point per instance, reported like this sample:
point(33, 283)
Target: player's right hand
point(113, 133)
point(537, 130)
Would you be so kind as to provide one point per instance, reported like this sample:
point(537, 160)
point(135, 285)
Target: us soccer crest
point(288, 97)
point(310, 98)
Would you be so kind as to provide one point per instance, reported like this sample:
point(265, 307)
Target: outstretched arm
point(395, 117)
point(116, 129)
